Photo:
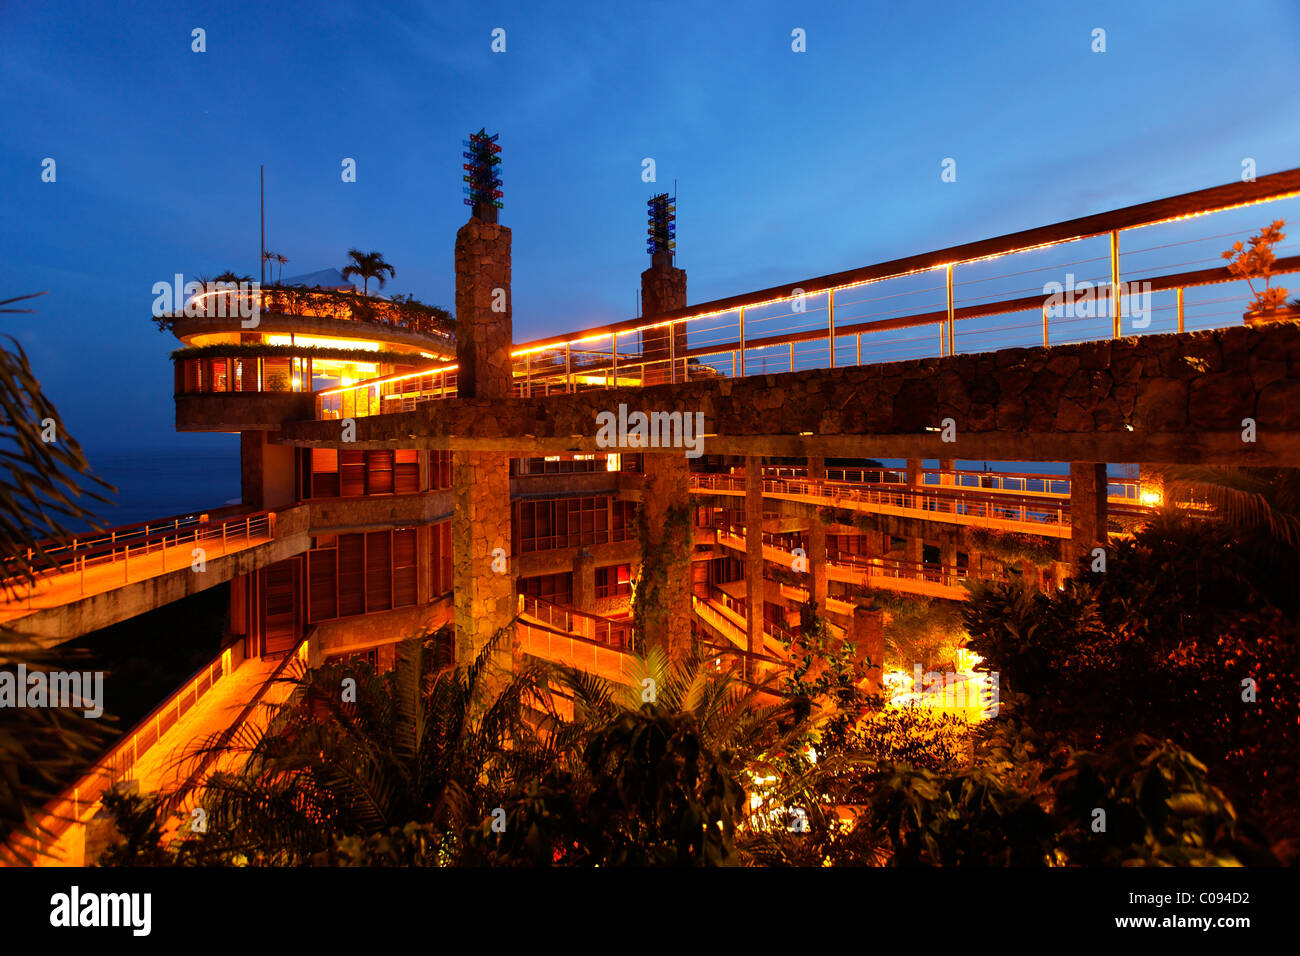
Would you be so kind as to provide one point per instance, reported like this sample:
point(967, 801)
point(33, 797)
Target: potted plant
point(1256, 261)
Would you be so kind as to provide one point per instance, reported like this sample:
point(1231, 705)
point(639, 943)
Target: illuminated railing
point(142, 548)
point(604, 631)
point(829, 321)
point(120, 761)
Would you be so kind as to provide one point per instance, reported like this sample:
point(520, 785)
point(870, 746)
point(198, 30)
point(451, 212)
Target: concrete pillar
point(867, 633)
point(946, 468)
point(483, 581)
point(584, 580)
point(664, 584)
point(754, 588)
point(914, 473)
point(1087, 507)
point(663, 289)
point(948, 553)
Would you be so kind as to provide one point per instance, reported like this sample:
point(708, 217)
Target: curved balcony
point(314, 312)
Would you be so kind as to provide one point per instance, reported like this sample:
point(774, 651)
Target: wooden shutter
point(352, 473)
point(322, 596)
point(352, 561)
point(406, 472)
point(281, 616)
point(404, 570)
point(324, 473)
point(379, 571)
point(379, 472)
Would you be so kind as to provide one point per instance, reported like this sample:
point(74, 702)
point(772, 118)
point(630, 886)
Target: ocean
point(153, 483)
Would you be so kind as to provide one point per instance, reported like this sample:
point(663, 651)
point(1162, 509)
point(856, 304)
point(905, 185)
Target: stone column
point(868, 636)
point(663, 289)
point(754, 587)
point(482, 578)
point(584, 580)
point(1087, 507)
point(817, 544)
point(664, 584)
point(483, 318)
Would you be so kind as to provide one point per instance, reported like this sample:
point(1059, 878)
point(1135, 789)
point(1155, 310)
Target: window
point(614, 581)
point(555, 588)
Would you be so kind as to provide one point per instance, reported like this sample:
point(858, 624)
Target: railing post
point(1114, 283)
point(672, 353)
point(1180, 308)
point(742, 341)
point(1044, 325)
point(568, 369)
point(830, 323)
point(613, 351)
point(952, 333)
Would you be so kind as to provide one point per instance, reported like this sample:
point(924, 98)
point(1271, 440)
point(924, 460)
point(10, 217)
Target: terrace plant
point(1255, 260)
point(368, 265)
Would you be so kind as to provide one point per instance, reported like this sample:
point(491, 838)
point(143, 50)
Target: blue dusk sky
point(788, 165)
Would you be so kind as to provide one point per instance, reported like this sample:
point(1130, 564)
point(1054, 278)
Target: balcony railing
point(833, 320)
point(604, 631)
point(91, 563)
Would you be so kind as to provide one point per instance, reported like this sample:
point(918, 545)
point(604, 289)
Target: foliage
point(1257, 261)
point(1183, 614)
point(1012, 547)
point(368, 265)
point(41, 493)
point(418, 745)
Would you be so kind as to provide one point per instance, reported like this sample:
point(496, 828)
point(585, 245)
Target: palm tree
point(419, 746)
point(280, 261)
point(40, 748)
point(1265, 500)
point(368, 265)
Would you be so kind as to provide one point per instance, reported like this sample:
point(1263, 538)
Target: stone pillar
point(483, 318)
point(946, 468)
point(817, 544)
point(754, 587)
point(482, 578)
point(584, 580)
point(868, 636)
point(663, 289)
point(1087, 507)
point(664, 584)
